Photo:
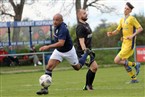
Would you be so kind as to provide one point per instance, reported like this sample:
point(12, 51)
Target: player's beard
point(85, 19)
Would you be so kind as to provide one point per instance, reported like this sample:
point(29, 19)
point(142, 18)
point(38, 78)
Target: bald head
point(57, 19)
point(82, 15)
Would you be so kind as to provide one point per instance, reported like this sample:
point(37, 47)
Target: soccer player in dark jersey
point(64, 49)
point(84, 41)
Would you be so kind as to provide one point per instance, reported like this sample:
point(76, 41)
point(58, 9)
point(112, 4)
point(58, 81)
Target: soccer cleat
point(137, 68)
point(89, 88)
point(42, 91)
point(134, 81)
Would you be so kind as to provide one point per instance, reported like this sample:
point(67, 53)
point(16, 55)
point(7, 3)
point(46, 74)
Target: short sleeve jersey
point(128, 26)
point(83, 31)
point(62, 33)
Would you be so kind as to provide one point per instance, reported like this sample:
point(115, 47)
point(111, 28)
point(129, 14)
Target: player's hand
point(86, 50)
point(129, 37)
point(109, 34)
point(44, 48)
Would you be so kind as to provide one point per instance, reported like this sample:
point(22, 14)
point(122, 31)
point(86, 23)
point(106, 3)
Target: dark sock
point(130, 72)
point(48, 72)
point(90, 77)
point(128, 68)
point(46, 88)
point(83, 59)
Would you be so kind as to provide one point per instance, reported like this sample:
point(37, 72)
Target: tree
point(14, 8)
point(72, 30)
point(92, 3)
point(100, 36)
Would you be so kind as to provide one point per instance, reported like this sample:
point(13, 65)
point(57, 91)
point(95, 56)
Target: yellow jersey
point(128, 27)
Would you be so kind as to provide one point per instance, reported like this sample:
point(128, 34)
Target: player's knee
point(115, 61)
point(94, 67)
point(76, 68)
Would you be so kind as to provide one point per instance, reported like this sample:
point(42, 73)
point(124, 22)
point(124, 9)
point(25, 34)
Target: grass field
point(109, 82)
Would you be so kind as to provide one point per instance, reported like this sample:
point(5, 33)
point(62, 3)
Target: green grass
point(109, 82)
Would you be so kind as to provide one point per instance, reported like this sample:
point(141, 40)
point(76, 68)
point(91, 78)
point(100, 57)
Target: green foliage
point(73, 32)
point(141, 36)
point(100, 38)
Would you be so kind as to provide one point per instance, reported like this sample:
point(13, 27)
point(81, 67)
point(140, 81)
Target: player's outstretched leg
point(43, 91)
point(82, 60)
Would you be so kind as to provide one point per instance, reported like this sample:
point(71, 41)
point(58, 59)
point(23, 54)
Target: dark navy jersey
point(83, 31)
point(62, 33)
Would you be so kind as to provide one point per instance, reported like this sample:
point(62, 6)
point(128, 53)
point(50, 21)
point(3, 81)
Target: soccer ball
point(45, 80)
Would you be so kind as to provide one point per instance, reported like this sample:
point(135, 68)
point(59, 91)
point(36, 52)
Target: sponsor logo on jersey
point(89, 35)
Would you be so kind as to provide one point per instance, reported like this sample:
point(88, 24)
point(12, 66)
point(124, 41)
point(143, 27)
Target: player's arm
point(137, 26)
point(60, 43)
point(82, 43)
point(140, 29)
point(137, 32)
point(112, 33)
point(117, 30)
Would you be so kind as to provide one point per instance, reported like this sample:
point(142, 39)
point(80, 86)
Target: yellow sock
point(132, 75)
point(131, 63)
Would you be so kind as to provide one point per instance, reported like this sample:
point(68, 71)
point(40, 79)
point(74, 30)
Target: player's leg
point(83, 58)
point(49, 68)
point(72, 58)
point(136, 65)
point(125, 54)
point(11, 58)
point(87, 58)
point(129, 70)
point(54, 60)
point(36, 59)
point(17, 61)
point(90, 76)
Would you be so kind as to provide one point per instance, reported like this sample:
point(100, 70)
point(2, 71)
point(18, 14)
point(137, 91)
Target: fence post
point(135, 54)
point(43, 56)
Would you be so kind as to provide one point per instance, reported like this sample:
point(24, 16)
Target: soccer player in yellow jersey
point(130, 28)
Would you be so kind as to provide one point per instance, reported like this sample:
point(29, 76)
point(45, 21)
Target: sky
point(43, 10)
